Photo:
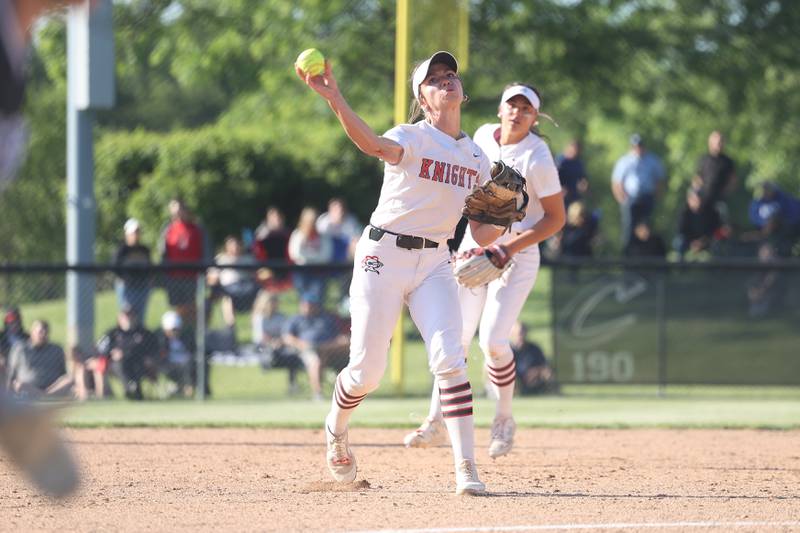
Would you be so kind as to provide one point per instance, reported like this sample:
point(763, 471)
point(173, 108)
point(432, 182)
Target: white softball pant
point(497, 305)
point(384, 278)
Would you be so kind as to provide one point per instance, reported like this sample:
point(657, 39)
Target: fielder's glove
point(501, 201)
point(479, 266)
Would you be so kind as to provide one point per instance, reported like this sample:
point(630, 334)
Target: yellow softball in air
point(311, 61)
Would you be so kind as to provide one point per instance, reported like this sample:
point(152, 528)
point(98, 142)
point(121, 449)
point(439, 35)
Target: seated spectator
point(38, 367)
point(130, 352)
point(580, 231)
point(645, 243)
point(268, 325)
point(572, 173)
point(308, 247)
point(13, 332)
point(699, 222)
point(271, 243)
point(318, 337)
point(766, 289)
point(176, 351)
point(90, 374)
point(534, 374)
point(132, 288)
point(776, 214)
point(236, 288)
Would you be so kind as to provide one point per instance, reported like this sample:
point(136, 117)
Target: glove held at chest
point(501, 201)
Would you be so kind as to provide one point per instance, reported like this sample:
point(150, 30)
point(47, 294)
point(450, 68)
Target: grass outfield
point(638, 407)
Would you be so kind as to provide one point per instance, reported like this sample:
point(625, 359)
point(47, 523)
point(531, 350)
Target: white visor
point(421, 71)
point(527, 92)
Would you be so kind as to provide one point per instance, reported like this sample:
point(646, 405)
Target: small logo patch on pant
point(371, 263)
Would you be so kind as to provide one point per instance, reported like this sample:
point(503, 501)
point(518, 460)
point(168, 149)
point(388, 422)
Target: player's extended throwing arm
point(359, 132)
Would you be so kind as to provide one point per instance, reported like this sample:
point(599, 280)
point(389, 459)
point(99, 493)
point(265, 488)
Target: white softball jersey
point(424, 193)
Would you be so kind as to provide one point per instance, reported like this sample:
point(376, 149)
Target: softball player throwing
point(430, 167)
point(496, 305)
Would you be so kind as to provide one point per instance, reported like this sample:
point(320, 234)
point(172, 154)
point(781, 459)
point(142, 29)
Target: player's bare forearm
point(550, 224)
point(485, 234)
point(362, 135)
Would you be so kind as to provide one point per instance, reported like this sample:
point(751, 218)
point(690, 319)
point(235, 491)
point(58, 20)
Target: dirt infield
point(275, 480)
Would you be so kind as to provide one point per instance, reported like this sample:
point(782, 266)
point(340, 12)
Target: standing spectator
point(698, 224)
point(182, 241)
point(272, 244)
point(317, 335)
point(133, 288)
point(645, 243)
point(131, 350)
point(572, 173)
point(342, 228)
point(716, 172)
point(776, 214)
point(38, 367)
point(237, 288)
point(637, 181)
point(268, 326)
point(13, 332)
point(308, 247)
point(533, 371)
point(580, 231)
point(344, 231)
point(176, 353)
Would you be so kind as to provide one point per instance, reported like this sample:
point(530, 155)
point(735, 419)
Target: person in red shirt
point(182, 241)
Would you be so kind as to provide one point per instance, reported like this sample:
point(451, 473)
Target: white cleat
point(467, 480)
point(430, 433)
point(341, 461)
point(503, 430)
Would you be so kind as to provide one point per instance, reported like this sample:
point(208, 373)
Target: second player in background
point(496, 306)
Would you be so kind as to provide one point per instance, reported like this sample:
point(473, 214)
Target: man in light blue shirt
point(637, 180)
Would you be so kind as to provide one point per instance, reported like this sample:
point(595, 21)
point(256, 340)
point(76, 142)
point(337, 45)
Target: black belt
point(409, 242)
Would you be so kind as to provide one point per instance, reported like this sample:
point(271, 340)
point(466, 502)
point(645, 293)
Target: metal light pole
point(90, 86)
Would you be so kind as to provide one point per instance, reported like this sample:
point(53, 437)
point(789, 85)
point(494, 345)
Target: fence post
point(553, 321)
point(200, 337)
point(661, 337)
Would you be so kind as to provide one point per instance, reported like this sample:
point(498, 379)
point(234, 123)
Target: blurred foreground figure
point(27, 433)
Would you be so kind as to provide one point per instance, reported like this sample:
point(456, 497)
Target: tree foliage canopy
point(208, 105)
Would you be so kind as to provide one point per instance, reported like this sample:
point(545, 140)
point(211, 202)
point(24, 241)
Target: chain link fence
point(166, 332)
point(732, 322)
